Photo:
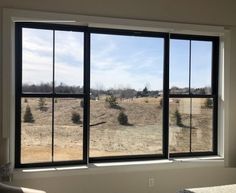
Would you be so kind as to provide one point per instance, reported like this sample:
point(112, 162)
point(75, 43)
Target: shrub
point(208, 103)
point(178, 118)
point(161, 102)
point(28, 116)
point(75, 117)
point(82, 103)
point(122, 118)
point(42, 104)
point(112, 101)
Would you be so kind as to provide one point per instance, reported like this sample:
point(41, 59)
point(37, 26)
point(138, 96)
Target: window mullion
point(53, 91)
point(86, 96)
point(215, 77)
point(190, 92)
point(166, 96)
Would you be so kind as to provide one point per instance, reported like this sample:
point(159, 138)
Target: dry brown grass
point(143, 135)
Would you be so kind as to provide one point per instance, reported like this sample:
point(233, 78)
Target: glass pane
point(69, 59)
point(37, 60)
point(179, 66)
point(202, 128)
point(68, 129)
point(201, 64)
point(126, 95)
point(179, 125)
point(36, 129)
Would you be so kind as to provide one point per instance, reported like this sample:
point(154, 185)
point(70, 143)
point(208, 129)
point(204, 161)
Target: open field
point(143, 134)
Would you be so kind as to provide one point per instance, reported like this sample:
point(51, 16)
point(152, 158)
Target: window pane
point(201, 60)
point(202, 128)
point(37, 60)
point(126, 102)
point(179, 66)
point(68, 129)
point(69, 62)
point(179, 125)
point(36, 129)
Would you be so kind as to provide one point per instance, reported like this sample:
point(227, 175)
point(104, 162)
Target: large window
point(87, 94)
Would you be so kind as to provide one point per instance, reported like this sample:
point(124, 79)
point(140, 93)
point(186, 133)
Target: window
point(193, 95)
point(89, 94)
point(125, 120)
point(50, 92)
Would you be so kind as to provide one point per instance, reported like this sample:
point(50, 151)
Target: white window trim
point(8, 61)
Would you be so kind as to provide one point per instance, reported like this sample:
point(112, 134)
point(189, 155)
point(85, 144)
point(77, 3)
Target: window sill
point(119, 167)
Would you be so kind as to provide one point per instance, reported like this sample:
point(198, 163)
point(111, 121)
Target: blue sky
point(116, 61)
point(200, 63)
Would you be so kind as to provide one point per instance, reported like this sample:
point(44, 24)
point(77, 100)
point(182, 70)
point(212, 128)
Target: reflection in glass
point(179, 66)
point(202, 128)
point(201, 64)
point(37, 60)
point(69, 51)
point(36, 129)
point(179, 125)
point(126, 95)
point(68, 129)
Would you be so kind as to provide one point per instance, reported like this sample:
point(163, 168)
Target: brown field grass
point(143, 135)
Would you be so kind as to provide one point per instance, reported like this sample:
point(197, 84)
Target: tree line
point(125, 93)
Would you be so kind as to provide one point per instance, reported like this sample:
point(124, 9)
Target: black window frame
point(213, 95)
point(86, 94)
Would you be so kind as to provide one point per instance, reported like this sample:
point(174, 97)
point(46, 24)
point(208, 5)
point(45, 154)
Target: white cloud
point(38, 57)
point(111, 69)
point(108, 66)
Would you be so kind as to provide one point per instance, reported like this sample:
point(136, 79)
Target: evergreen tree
point(28, 116)
point(112, 101)
point(42, 104)
point(75, 117)
point(122, 118)
point(145, 92)
point(178, 118)
point(208, 103)
point(161, 102)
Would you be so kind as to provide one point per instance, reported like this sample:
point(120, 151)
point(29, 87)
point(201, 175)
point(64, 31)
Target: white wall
point(133, 179)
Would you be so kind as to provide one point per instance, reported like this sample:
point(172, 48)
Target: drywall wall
point(132, 179)
point(124, 179)
point(231, 132)
point(201, 11)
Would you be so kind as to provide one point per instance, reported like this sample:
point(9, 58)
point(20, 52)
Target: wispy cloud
point(38, 57)
point(128, 62)
point(116, 61)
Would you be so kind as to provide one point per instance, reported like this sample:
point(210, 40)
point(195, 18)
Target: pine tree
point(122, 118)
point(112, 101)
point(28, 116)
point(75, 117)
point(161, 102)
point(208, 103)
point(145, 92)
point(178, 118)
point(42, 104)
